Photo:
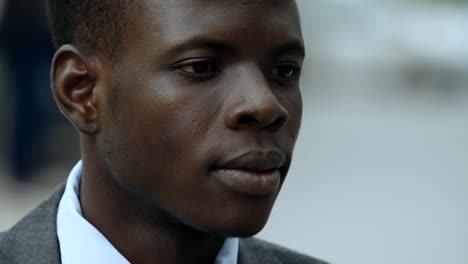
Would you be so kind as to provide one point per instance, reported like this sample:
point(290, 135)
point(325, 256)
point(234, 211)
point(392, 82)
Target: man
point(188, 112)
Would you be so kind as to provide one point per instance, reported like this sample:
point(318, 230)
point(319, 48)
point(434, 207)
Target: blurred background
point(381, 167)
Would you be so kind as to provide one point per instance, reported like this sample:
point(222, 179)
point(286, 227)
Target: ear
point(73, 80)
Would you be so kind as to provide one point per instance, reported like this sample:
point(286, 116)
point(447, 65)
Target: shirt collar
point(80, 242)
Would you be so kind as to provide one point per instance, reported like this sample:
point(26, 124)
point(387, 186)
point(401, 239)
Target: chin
point(240, 232)
point(243, 219)
point(243, 226)
point(244, 233)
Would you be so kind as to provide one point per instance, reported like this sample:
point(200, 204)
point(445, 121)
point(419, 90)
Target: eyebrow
point(293, 46)
point(201, 43)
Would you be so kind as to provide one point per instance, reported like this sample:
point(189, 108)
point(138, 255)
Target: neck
point(141, 232)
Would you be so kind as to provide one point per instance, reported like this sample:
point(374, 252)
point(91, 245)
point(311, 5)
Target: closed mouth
point(255, 161)
point(255, 173)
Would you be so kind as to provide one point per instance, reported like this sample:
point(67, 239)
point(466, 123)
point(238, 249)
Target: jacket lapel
point(34, 239)
point(252, 251)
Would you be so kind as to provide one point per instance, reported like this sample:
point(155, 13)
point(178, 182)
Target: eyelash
point(212, 69)
point(193, 63)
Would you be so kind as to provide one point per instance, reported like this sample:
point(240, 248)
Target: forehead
point(243, 14)
point(237, 7)
point(165, 22)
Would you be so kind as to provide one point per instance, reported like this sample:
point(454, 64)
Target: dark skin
point(189, 137)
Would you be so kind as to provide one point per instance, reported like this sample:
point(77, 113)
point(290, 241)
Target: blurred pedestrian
point(27, 46)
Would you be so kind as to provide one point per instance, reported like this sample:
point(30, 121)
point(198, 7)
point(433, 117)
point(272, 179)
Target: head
point(192, 105)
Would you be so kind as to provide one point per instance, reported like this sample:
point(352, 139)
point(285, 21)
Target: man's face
point(204, 110)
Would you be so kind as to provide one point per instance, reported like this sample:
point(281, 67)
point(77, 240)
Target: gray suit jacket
point(34, 241)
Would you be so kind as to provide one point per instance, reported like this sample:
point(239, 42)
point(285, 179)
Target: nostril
point(246, 119)
point(279, 123)
point(250, 120)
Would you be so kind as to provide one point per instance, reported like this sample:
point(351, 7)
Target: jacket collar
point(34, 240)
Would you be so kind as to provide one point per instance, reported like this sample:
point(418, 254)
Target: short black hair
point(98, 24)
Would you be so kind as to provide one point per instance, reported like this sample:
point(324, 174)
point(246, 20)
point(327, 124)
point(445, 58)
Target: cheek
point(155, 143)
point(292, 101)
point(299, 111)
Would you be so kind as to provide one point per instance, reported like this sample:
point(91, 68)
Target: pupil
point(286, 72)
point(201, 67)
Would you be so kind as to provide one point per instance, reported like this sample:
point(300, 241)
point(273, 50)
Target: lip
point(256, 173)
point(250, 182)
point(256, 160)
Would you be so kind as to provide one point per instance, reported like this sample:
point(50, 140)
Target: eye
point(198, 67)
point(285, 71)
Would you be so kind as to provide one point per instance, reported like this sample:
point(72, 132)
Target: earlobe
point(73, 81)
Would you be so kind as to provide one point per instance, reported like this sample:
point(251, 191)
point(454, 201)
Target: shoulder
point(272, 253)
point(3, 257)
point(34, 238)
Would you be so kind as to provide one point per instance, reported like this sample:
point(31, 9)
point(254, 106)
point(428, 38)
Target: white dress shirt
point(80, 242)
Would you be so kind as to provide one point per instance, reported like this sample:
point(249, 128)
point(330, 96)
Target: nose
point(254, 104)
